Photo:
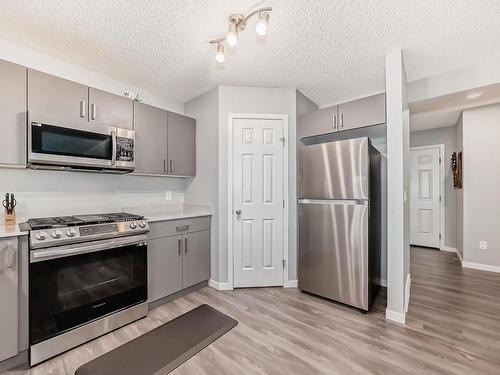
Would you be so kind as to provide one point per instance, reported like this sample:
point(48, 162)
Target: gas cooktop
point(66, 221)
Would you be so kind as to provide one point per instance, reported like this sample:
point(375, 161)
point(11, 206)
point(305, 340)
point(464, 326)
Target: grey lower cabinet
point(110, 109)
point(181, 145)
point(150, 125)
point(178, 256)
point(13, 110)
point(59, 99)
point(9, 292)
point(360, 113)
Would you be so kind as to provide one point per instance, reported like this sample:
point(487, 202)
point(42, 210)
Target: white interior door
point(258, 213)
point(425, 197)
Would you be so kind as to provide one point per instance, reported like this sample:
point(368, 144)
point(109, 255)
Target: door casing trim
point(230, 190)
point(442, 220)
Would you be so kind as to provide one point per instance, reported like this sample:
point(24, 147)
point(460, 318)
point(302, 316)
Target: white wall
point(481, 185)
point(397, 183)
point(204, 188)
point(448, 137)
point(71, 71)
point(253, 100)
point(48, 193)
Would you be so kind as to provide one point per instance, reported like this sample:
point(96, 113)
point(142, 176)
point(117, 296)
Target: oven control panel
point(66, 235)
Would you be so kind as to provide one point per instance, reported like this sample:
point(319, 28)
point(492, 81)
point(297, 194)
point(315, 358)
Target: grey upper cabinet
point(150, 125)
point(164, 267)
point(363, 112)
point(196, 259)
point(9, 322)
point(318, 122)
point(13, 110)
point(64, 101)
point(181, 150)
point(110, 109)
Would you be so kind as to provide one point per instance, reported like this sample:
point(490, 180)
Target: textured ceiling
point(331, 50)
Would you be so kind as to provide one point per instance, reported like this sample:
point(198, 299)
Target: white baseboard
point(460, 258)
point(395, 316)
point(219, 286)
point(450, 249)
point(482, 267)
point(407, 292)
point(291, 284)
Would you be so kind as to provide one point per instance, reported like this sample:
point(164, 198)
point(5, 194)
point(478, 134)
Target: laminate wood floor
point(453, 328)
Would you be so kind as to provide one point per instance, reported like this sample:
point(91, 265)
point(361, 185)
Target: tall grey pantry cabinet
point(13, 112)
point(9, 292)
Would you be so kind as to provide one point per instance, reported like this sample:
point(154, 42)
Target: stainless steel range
point(87, 276)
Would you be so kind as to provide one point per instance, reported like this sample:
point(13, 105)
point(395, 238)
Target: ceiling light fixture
point(238, 23)
point(219, 56)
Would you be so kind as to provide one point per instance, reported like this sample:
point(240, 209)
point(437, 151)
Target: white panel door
point(258, 202)
point(425, 197)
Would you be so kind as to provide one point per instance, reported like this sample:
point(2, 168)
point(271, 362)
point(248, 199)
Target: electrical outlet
point(483, 245)
point(168, 195)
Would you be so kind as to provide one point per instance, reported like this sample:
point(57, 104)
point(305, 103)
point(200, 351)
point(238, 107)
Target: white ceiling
point(444, 111)
point(332, 50)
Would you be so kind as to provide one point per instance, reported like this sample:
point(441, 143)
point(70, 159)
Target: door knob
point(238, 212)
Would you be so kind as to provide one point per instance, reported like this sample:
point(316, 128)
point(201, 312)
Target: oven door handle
point(77, 249)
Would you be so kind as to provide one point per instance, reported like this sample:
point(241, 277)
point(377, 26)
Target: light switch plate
point(483, 245)
point(168, 195)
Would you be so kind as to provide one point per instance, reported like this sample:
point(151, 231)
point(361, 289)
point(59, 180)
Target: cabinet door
point(13, 109)
point(150, 125)
point(58, 98)
point(196, 259)
point(9, 293)
point(164, 267)
point(363, 112)
point(181, 150)
point(318, 122)
point(110, 109)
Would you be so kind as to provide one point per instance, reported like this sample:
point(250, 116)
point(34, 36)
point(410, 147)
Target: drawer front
point(176, 227)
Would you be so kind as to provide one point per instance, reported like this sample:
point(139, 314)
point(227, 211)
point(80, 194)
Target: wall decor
point(456, 167)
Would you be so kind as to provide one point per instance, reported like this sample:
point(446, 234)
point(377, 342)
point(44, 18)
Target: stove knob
point(40, 236)
point(133, 225)
point(142, 224)
point(56, 234)
point(71, 233)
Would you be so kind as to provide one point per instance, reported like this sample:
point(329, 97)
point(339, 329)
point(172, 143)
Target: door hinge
point(440, 198)
point(439, 235)
point(440, 160)
point(282, 139)
point(283, 203)
point(283, 262)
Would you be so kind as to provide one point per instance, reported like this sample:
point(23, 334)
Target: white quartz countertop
point(11, 230)
point(172, 213)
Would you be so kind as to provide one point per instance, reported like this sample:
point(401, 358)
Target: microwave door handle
point(113, 140)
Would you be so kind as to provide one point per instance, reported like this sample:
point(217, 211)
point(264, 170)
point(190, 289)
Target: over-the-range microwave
point(94, 148)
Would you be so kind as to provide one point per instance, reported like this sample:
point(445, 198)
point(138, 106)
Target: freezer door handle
point(357, 202)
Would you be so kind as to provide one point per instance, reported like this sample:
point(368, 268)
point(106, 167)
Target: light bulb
point(261, 27)
point(219, 56)
point(232, 37)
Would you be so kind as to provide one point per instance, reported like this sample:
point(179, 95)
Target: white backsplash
point(50, 193)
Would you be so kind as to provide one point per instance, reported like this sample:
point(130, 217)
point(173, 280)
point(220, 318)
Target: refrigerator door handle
point(357, 202)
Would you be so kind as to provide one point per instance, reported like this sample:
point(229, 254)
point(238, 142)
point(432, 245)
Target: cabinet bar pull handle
point(164, 169)
point(179, 245)
point(185, 245)
point(341, 120)
point(83, 110)
point(335, 122)
point(171, 165)
point(94, 111)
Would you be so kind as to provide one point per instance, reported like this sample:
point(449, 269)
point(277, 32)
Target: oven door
point(50, 144)
point(76, 284)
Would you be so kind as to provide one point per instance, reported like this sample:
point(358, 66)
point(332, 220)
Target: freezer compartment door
point(335, 170)
point(333, 250)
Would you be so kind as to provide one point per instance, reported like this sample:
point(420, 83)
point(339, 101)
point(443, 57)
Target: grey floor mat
point(161, 350)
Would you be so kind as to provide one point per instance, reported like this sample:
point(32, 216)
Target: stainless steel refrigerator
point(339, 221)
